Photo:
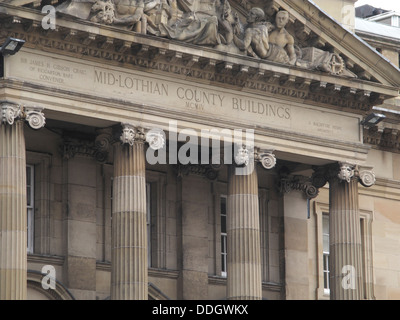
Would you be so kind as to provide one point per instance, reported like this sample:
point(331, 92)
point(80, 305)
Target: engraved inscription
point(261, 108)
point(131, 83)
point(51, 71)
point(179, 97)
point(326, 128)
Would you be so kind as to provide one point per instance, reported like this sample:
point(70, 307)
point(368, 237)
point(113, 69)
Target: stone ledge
point(47, 259)
point(271, 286)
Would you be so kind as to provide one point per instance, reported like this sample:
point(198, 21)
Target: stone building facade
point(191, 150)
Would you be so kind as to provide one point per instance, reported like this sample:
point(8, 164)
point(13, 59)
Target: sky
point(382, 4)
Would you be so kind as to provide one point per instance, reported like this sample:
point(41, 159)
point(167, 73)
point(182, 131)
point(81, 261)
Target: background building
point(91, 94)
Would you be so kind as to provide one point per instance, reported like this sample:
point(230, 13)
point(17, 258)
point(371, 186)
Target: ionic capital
point(246, 154)
point(287, 184)
point(155, 138)
point(345, 172)
point(242, 156)
point(35, 117)
point(9, 112)
point(131, 134)
point(266, 158)
point(366, 176)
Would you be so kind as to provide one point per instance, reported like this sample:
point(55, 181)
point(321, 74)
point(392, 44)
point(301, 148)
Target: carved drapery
point(213, 23)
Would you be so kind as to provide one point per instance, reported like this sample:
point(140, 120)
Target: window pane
point(28, 176)
point(28, 196)
point(148, 218)
point(223, 205)
point(326, 243)
point(223, 224)
point(30, 206)
point(325, 224)
point(223, 235)
point(325, 233)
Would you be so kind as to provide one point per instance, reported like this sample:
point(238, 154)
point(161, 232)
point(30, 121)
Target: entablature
point(116, 46)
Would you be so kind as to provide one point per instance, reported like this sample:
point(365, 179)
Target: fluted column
point(13, 215)
point(129, 279)
point(243, 231)
point(13, 224)
point(344, 234)
point(244, 278)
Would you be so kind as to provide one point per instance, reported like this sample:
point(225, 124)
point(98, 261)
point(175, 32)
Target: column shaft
point(13, 216)
point(129, 279)
point(243, 229)
point(345, 240)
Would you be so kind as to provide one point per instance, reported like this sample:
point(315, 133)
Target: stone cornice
point(106, 43)
point(386, 139)
point(329, 30)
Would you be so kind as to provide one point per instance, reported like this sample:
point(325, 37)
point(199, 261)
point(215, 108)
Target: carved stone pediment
point(249, 28)
point(216, 40)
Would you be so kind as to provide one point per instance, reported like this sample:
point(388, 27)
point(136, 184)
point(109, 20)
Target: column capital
point(366, 176)
point(132, 134)
point(243, 156)
point(35, 117)
point(155, 138)
point(246, 154)
point(97, 147)
point(9, 112)
point(299, 183)
point(266, 158)
point(344, 172)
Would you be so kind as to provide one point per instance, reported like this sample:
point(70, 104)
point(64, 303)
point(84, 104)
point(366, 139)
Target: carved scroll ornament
point(10, 112)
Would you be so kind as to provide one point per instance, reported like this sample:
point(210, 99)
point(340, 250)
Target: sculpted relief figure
point(256, 35)
point(210, 23)
point(259, 42)
point(282, 39)
point(198, 23)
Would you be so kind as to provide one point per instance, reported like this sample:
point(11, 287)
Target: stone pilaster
point(13, 215)
point(129, 278)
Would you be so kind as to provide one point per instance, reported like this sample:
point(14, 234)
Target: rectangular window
point(325, 235)
point(30, 206)
point(224, 251)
